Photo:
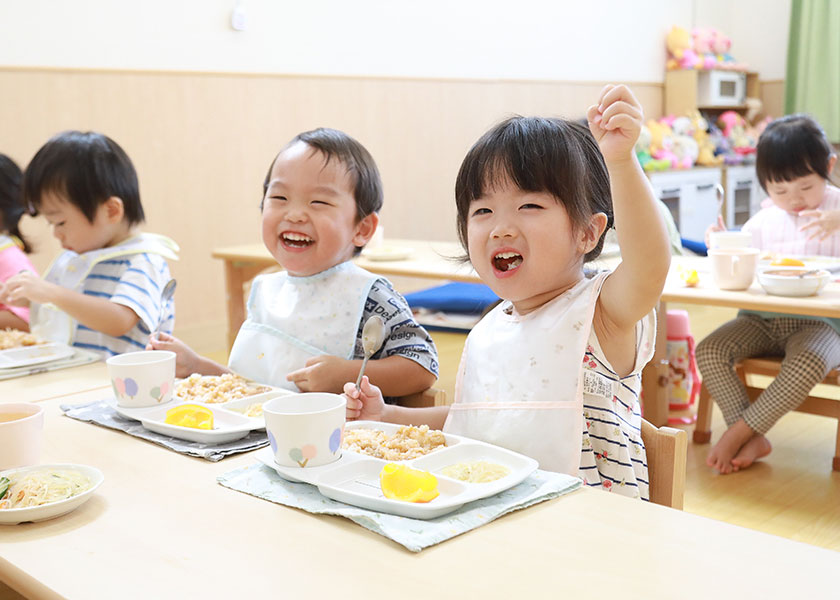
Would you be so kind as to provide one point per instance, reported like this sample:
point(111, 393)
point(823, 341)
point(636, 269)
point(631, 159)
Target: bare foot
point(720, 457)
point(757, 447)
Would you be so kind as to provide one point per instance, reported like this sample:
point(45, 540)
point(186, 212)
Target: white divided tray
point(354, 478)
point(33, 355)
point(229, 423)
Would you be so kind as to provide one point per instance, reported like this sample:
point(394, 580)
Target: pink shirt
point(12, 261)
point(776, 230)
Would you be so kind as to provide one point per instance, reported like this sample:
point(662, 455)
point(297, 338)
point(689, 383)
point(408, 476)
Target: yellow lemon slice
point(190, 415)
point(399, 482)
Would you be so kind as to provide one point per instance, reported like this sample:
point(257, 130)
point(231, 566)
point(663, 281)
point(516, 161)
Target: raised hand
point(616, 121)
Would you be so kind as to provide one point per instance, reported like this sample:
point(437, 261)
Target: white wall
point(758, 28)
point(569, 40)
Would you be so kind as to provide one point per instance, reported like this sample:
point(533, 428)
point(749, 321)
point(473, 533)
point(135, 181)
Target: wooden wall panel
point(202, 144)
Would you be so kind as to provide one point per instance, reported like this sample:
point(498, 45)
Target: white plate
point(354, 478)
point(829, 263)
point(227, 426)
point(13, 516)
point(387, 253)
point(239, 406)
point(33, 355)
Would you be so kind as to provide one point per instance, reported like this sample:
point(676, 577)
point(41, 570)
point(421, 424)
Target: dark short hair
point(790, 147)
point(11, 200)
point(87, 168)
point(535, 154)
point(335, 144)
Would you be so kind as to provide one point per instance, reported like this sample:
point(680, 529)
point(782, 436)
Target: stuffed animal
point(703, 43)
point(680, 52)
point(642, 148)
point(721, 45)
point(705, 147)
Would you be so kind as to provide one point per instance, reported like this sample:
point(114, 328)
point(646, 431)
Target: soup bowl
point(793, 281)
point(21, 434)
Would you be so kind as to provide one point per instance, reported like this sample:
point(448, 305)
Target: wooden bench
point(815, 405)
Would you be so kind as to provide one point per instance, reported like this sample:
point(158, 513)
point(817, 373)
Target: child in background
point(554, 371)
point(13, 246)
point(103, 293)
point(304, 326)
point(801, 216)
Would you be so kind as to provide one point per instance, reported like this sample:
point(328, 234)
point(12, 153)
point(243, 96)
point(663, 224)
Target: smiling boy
point(303, 330)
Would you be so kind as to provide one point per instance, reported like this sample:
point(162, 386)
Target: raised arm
point(634, 288)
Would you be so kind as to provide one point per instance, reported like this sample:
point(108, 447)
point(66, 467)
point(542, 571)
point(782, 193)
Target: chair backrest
point(666, 457)
point(429, 397)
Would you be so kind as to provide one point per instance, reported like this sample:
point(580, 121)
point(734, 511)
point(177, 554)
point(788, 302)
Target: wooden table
point(161, 527)
point(428, 260)
point(826, 304)
point(54, 384)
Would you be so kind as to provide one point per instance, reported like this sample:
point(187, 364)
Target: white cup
point(730, 239)
point(21, 434)
point(144, 378)
point(733, 268)
point(305, 430)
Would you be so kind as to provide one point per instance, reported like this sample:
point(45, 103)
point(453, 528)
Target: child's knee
point(808, 363)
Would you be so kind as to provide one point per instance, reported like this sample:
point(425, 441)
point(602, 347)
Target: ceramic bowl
point(793, 281)
point(305, 430)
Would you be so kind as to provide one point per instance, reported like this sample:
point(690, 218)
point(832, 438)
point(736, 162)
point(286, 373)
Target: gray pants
point(810, 349)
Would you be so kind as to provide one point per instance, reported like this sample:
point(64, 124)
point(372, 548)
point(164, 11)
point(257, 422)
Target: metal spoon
point(165, 297)
point(373, 334)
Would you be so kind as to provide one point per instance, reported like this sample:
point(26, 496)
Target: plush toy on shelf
point(643, 153)
point(681, 55)
point(705, 147)
point(703, 40)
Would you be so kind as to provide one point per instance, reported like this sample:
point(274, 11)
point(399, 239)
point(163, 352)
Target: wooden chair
point(429, 397)
point(666, 457)
point(769, 366)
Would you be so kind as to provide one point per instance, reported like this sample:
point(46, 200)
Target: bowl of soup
point(21, 434)
point(793, 281)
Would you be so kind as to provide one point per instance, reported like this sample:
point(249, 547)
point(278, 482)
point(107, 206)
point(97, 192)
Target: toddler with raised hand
point(554, 371)
point(794, 161)
point(320, 202)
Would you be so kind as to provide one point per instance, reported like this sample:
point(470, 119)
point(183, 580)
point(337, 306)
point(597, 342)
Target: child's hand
point(616, 122)
point(323, 373)
point(719, 226)
point(187, 361)
point(824, 224)
point(366, 404)
point(27, 286)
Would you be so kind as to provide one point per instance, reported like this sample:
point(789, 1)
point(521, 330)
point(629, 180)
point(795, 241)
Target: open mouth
point(507, 261)
point(296, 240)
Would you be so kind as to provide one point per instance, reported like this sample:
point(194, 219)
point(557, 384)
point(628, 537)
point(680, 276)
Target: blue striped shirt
point(135, 281)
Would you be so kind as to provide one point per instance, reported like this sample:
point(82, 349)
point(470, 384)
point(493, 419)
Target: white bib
point(291, 319)
point(519, 384)
point(70, 270)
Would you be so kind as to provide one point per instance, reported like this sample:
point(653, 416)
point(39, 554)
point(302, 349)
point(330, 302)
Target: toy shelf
point(682, 92)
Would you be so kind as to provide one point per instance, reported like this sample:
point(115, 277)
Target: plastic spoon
point(165, 297)
point(373, 334)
